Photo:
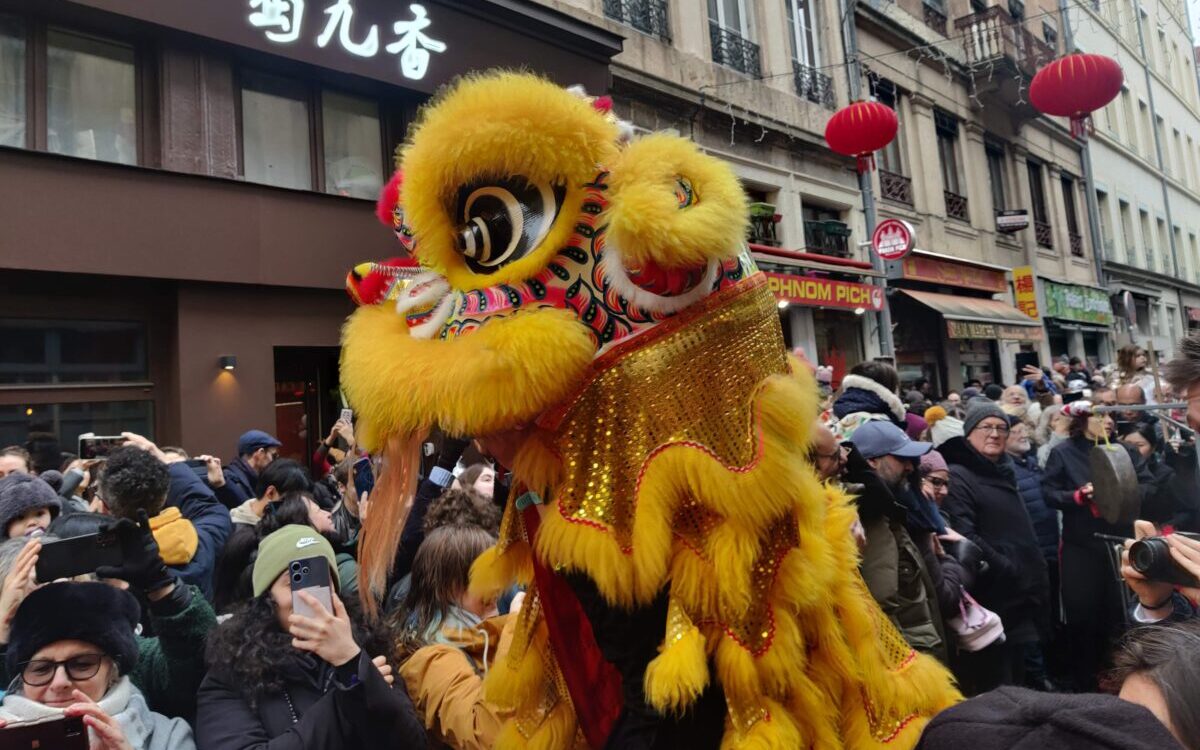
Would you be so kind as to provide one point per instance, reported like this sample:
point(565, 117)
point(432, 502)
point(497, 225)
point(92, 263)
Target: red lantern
point(1075, 86)
point(860, 129)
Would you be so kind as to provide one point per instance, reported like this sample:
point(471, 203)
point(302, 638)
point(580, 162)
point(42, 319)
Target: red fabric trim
point(594, 683)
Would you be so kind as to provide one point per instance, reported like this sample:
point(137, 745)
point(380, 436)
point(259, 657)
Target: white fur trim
point(437, 318)
point(866, 384)
point(616, 275)
point(413, 298)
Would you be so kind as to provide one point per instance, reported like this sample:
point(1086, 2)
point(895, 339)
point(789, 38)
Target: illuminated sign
point(814, 292)
point(282, 22)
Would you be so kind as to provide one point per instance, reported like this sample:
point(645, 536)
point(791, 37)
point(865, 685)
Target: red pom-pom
point(389, 196)
point(603, 103)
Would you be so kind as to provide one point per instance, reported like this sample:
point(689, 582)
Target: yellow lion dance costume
point(597, 292)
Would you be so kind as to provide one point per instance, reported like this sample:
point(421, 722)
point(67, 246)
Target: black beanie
point(23, 492)
point(94, 613)
point(1011, 717)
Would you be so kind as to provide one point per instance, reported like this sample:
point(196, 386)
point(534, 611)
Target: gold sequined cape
point(679, 464)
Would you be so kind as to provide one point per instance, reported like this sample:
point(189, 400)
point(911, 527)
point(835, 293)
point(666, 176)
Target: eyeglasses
point(994, 429)
point(937, 482)
point(39, 672)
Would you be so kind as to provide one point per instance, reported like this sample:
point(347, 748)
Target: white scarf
point(123, 702)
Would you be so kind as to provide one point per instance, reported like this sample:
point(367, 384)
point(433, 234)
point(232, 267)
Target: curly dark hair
point(464, 507)
point(253, 651)
point(134, 480)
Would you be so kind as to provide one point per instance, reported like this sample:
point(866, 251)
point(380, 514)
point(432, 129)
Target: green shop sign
point(1079, 303)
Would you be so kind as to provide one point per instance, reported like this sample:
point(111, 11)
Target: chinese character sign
point(282, 22)
point(1025, 290)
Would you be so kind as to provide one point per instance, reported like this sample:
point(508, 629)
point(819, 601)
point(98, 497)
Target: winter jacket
point(143, 729)
point(1067, 470)
point(319, 708)
point(198, 504)
point(176, 537)
point(239, 483)
point(1011, 717)
point(170, 666)
point(244, 514)
point(445, 681)
point(414, 527)
point(985, 507)
point(1044, 518)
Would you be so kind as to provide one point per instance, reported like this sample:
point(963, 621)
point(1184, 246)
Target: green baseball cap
point(292, 542)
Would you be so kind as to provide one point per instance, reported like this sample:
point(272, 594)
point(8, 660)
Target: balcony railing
point(1076, 244)
point(1043, 234)
point(827, 238)
point(763, 221)
point(993, 36)
point(734, 50)
point(895, 187)
point(647, 16)
point(935, 19)
point(813, 85)
point(956, 206)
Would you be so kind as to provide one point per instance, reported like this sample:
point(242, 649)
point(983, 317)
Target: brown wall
point(70, 215)
point(214, 406)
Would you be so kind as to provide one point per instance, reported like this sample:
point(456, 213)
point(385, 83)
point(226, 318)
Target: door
point(307, 398)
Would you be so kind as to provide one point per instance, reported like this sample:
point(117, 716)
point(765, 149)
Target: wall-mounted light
point(783, 304)
point(859, 310)
point(29, 411)
point(228, 361)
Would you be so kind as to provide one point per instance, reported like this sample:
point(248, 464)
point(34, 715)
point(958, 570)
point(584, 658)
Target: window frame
point(312, 94)
point(946, 127)
point(1037, 191)
point(743, 18)
point(997, 174)
point(145, 83)
point(810, 57)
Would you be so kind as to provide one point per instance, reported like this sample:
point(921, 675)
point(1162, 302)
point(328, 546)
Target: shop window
point(276, 136)
point(353, 144)
point(64, 422)
point(58, 352)
point(12, 82)
point(91, 98)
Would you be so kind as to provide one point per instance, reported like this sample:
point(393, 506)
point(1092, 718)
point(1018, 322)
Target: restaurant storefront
point(1079, 321)
point(186, 185)
point(950, 329)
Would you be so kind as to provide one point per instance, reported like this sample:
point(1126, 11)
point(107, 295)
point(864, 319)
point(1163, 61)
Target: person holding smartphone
point(280, 679)
point(72, 646)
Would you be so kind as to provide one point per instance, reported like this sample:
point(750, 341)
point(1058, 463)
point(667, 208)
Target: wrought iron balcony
point(827, 238)
point(935, 19)
point(1076, 244)
point(992, 36)
point(1043, 234)
point(956, 206)
point(813, 85)
point(647, 16)
point(734, 50)
point(895, 187)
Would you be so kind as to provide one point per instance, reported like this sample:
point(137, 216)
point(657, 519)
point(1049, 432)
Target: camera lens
point(305, 571)
point(295, 566)
point(297, 577)
point(1150, 557)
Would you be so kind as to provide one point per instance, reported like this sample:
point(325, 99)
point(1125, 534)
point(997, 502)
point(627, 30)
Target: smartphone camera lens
point(305, 571)
point(297, 577)
point(295, 567)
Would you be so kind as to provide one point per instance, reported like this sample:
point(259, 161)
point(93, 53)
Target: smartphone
point(311, 574)
point(364, 476)
point(92, 445)
point(67, 733)
point(1026, 359)
point(198, 466)
point(67, 558)
point(1069, 397)
point(347, 416)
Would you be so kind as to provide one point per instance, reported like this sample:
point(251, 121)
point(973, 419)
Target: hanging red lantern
point(860, 129)
point(1075, 86)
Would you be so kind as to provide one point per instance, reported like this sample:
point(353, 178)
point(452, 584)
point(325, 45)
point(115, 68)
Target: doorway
point(307, 398)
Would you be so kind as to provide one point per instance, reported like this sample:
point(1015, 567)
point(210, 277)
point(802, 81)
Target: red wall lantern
point(1075, 86)
point(860, 129)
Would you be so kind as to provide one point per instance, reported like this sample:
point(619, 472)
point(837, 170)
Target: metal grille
point(1076, 244)
point(956, 206)
point(812, 85)
point(647, 16)
point(1043, 234)
point(827, 238)
point(895, 187)
point(734, 50)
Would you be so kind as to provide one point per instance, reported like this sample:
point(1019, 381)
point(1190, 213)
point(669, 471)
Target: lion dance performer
point(691, 583)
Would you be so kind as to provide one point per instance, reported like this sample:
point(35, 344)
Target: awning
point(973, 309)
point(975, 318)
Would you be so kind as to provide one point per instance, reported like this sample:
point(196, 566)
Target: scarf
point(123, 702)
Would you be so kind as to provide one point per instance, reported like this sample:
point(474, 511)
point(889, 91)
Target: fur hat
point(94, 613)
point(979, 410)
point(23, 492)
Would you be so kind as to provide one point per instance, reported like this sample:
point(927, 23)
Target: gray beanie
point(23, 492)
point(979, 409)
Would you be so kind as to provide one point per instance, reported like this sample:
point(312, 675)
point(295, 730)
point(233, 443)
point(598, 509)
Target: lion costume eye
point(503, 220)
